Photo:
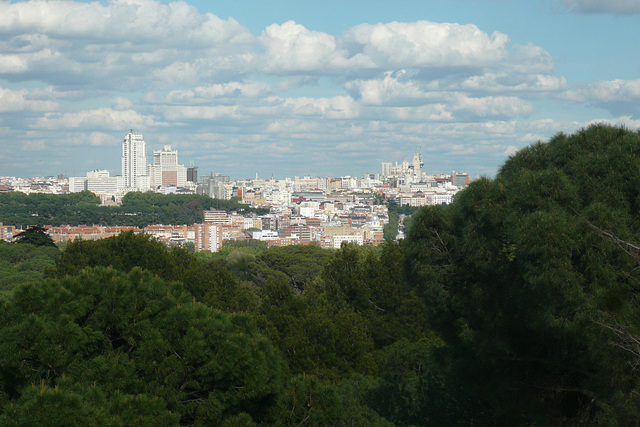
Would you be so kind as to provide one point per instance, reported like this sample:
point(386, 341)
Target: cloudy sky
point(289, 88)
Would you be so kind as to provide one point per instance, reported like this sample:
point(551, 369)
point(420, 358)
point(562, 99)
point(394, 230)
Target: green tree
point(124, 340)
point(34, 236)
point(24, 263)
point(527, 281)
point(301, 264)
point(209, 282)
point(390, 230)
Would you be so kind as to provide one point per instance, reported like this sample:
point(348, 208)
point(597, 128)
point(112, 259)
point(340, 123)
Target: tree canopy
point(531, 279)
point(138, 209)
point(131, 340)
point(36, 236)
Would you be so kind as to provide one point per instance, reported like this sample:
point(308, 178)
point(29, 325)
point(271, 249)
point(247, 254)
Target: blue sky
point(289, 88)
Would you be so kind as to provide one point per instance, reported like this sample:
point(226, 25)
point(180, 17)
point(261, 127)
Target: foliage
point(301, 264)
point(414, 386)
point(177, 208)
point(234, 252)
point(41, 209)
point(393, 206)
point(124, 341)
point(36, 236)
point(530, 282)
point(313, 402)
point(352, 304)
point(390, 230)
point(208, 282)
point(23, 263)
point(77, 403)
point(138, 209)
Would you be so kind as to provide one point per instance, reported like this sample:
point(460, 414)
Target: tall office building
point(165, 169)
point(134, 163)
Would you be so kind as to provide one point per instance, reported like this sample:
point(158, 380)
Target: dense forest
point(515, 305)
point(137, 209)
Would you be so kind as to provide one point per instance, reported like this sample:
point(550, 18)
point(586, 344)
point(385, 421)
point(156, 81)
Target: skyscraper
point(165, 169)
point(134, 162)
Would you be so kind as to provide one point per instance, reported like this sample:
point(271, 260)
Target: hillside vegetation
point(137, 209)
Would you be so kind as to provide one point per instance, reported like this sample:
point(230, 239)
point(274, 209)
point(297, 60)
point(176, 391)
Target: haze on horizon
point(292, 88)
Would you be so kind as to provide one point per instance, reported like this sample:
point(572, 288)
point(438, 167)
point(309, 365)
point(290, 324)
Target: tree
point(24, 263)
point(34, 236)
point(209, 282)
point(524, 290)
point(300, 263)
point(127, 340)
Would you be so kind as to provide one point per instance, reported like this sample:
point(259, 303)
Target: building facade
point(208, 237)
point(165, 170)
point(213, 185)
point(134, 163)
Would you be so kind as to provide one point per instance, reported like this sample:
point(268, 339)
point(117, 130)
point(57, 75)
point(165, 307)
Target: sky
point(323, 88)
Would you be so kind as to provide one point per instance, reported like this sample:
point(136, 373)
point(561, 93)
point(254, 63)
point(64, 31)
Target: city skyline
point(293, 88)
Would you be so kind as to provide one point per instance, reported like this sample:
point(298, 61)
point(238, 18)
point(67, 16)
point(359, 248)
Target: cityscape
point(332, 213)
point(326, 211)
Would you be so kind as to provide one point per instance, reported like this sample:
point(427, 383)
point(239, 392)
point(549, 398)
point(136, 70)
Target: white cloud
point(53, 93)
point(626, 121)
point(103, 118)
point(338, 107)
point(121, 103)
point(95, 139)
point(607, 91)
point(292, 47)
point(423, 44)
point(13, 101)
point(101, 138)
point(235, 89)
point(120, 43)
point(530, 59)
point(506, 82)
point(33, 145)
point(618, 96)
point(177, 23)
point(353, 146)
point(406, 94)
point(179, 113)
point(510, 150)
point(437, 112)
point(616, 7)
point(128, 44)
point(491, 106)
point(294, 126)
point(223, 91)
point(13, 64)
point(392, 88)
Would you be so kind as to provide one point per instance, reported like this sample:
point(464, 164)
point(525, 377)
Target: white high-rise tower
point(134, 162)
